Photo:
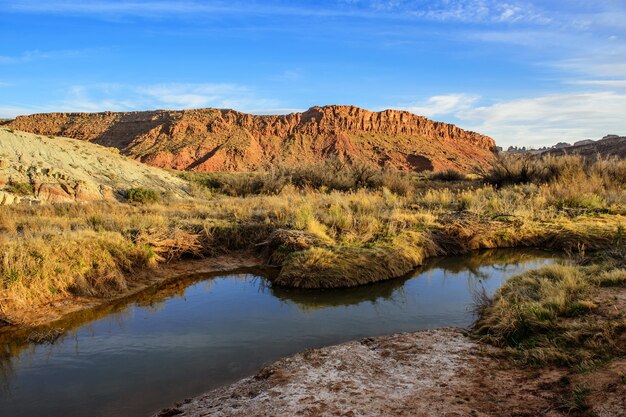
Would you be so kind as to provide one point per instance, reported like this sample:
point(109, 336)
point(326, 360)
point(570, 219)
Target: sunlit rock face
point(215, 139)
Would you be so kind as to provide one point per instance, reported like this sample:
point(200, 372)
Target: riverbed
point(186, 337)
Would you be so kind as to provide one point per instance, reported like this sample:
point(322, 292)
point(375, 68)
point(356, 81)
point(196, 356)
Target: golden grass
point(319, 237)
point(349, 266)
point(551, 315)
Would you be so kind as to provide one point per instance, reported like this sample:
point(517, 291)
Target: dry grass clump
point(551, 315)
point(520, 169)
point(88, 263)
point(349, 266)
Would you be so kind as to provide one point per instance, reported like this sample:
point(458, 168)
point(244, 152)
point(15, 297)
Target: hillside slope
point(51, 170)
point(214, 139)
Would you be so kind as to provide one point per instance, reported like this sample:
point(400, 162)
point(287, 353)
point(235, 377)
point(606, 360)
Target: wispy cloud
point(290, 75)
point(542, 120)
point(548, 119)
point(483, 11)
point(442, 105)
point(120, 97)
point(601, 83)
point(193, 95)
point(442, 10)
point(37, 55)
point(608, 64)
point(10, 112)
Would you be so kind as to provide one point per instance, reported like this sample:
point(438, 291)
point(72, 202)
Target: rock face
point(36, 169)
point(214, 139)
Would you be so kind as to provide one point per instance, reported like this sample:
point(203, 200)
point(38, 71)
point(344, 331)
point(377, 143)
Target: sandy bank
point(430, 373)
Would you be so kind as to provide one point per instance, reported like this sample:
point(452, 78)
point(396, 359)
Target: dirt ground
point(431, 373)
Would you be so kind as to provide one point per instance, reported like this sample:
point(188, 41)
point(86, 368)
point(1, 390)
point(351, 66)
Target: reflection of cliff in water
point(496, 259)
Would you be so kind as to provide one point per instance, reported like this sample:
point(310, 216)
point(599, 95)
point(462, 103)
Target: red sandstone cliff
point(214, 139)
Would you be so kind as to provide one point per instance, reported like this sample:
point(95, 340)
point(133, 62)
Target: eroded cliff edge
point(216, 139)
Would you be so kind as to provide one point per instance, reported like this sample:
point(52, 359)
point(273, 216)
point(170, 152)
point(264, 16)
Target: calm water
point(138, 356)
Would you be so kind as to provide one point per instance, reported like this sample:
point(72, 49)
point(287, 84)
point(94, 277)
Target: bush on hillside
point(20, 188)
point(448, 175)
point(142, 195)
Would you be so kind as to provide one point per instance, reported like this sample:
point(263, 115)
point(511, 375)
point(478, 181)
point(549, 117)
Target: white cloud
point(545, 120)
point(9, 112)
point(596, 65)
point(192, 95)
point(601, 83)
point(290, 75)
point(483, 11)
point(120, 97)
point(534, 121)
point(442, 105)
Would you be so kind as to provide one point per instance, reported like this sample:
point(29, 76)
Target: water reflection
point(142, 353)
point(477, 268)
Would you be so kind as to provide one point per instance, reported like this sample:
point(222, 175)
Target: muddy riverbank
point(56, 310)
point(429, 373)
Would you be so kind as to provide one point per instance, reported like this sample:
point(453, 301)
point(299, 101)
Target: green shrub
point(20, 188)
point(142, 195)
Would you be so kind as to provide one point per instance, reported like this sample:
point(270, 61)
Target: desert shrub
point(572, 180)
point(331, 174)
point(397, 182)
point(20, 188)
point(240, 184)
point(448, 175)
point(519, 169)
point(203, 179)
point(611, 170)
point(509, 169)
point(142, 195)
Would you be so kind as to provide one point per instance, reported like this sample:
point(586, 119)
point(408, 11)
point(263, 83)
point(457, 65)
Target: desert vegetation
point(329, 224)
point(563, 314)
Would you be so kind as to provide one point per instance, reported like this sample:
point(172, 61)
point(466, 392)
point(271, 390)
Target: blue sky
point(524, 72)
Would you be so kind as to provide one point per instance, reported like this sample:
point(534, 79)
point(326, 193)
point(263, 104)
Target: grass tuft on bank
point(558, 314)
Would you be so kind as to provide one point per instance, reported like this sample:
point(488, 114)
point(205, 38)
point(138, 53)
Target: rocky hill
point(610, 145)
point(41, 169)
point(214, 139)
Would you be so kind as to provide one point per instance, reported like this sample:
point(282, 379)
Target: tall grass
point(522, 169)
point(549, 315)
